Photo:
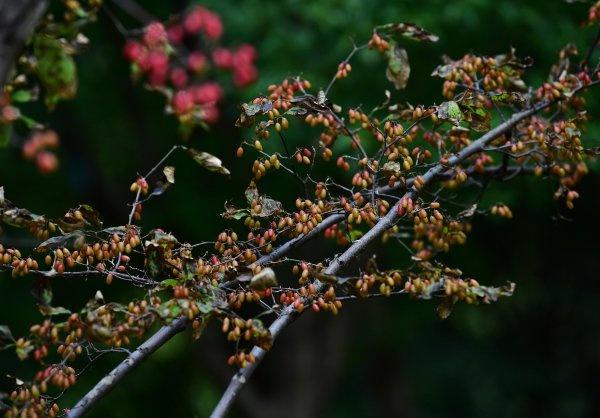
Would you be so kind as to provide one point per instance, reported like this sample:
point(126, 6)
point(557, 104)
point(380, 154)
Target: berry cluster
point(37, 147)
point(181, 59)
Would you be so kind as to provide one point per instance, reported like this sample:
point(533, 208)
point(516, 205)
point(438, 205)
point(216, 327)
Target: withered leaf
point(398, 70)
point(208, 161)
point(408, 30)
point(263, 280)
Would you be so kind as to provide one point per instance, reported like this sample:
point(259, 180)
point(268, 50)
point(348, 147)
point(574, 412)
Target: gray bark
point(18, 18)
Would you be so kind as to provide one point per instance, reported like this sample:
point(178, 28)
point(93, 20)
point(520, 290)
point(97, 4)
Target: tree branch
point(131, 362)
point(289, 314)
point(166, 332)
point(134, 10)
point(18, 18)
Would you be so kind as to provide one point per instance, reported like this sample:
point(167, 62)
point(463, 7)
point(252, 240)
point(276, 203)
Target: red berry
point(179, 77)
point(245, 54)
point(213, 28)
point(223, 58)
point(244, 75)
point(210, 113)
point(133, 50)
point(207, 93)
point(9, 114)
point(196, 61)
point(175, 34)
point(46, 162)
point(154, 34)
point(182, 102)
point(157, 77)
point(193, 21)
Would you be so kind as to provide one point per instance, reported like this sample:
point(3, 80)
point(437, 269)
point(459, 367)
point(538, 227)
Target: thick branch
point(165, 333)
point(289, 314)
point(143, 351)
point(17, 21)
point(134, 10)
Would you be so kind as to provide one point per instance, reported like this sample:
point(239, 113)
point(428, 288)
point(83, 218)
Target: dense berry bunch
point(182, 59)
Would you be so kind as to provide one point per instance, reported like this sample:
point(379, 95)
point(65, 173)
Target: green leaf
point(21, 96)
point(355, 234)
point(55, 68)
point(450, 111)
point(169, 283)
point(232, 213)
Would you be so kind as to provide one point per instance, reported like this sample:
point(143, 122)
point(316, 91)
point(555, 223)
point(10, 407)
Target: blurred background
point(535, 354)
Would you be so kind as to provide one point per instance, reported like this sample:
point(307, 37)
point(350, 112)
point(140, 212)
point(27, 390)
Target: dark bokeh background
point(535, 354)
